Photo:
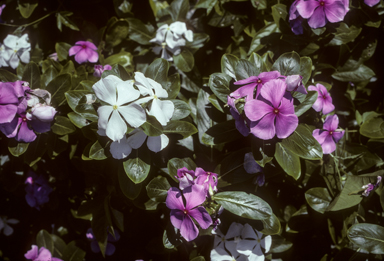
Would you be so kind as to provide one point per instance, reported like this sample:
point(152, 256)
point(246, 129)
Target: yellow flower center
point(115, 107)
point(155, 96)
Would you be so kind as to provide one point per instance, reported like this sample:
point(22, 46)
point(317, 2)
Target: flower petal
point(126, 93)
point(266, 243)
point(265, 128)
point(246, 90)
point(134, 114)
point(157, 143)
point(335, 12)
point(74, 50)
point(286, 124)
point(7, 113)
point(110, 250)
point(320, 135)
point(248, 232)
point(188, 229)
point(201, 216)
point(116, 127)
point(33, 253)
point(256, 109)
point(136, 138)
point(120, 150)
point(142, 83)
point(81, 56)
point(234, 230)
point(318, 18)
point(104, 113)
point(245, 246)
point(25, 134)
point(162, 110)
point(174, 199)
point(273, 91)
point(337, 135)
point(92, 56)
point(328, 145)
point(105, 89)
point(306, 8)
point(177, 217)
point(331, 123)
point(327, 105)
point(194, 196)
point(220, 254)
point(44, 254)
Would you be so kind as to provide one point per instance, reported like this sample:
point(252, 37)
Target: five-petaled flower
point(84, 51)
point(185, 177)
point(42, 254)
point(17, 48)
point(182, 214)
point(37, 189)
point(324, 100)
point(277, 104)
point(329, 135)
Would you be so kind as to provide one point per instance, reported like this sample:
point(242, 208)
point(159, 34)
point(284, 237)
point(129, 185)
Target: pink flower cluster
point(21, 113)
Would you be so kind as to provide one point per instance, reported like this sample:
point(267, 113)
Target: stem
point(31, 23)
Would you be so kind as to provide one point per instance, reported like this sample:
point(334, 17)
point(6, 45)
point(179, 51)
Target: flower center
point(163, 45)
point(155, 96)
point(209, 173)
point(24, 119)
point(276, 111)
point(84, 46)
point(331, 132)
point(259, 81)
point(322, 3)
point(115, 107)
point(185, 211)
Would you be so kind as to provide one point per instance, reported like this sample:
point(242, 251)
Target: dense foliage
point(191, 130)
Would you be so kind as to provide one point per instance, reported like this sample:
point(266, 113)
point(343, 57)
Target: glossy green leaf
point(279, 244)
point(26, 7)
point(181, 111)
point(123, 58)
point(59, 246)
point(44, 239)
point(158, 71)
point(157, 189)
point(183, 128)
point(152, 127)
point(62, 50)
point(57, 87)
point(97, 151)
point(17, 148)
point(31, 75)
point(87, 110)
point(62, 126)
point(256, 41)
point(318, 199)
point(117, 32)
point(6, 76)
point(271, 225)
point(228, 65)
point(288, 161)
point(129, 189)
point(305, 68)
point(362, 73)
point(77, 120)
point(245, 69)
point(256, 60)
point(173, 86)
point(63, 19)
point(136, 169)
point(368, 237)
point(49, 75)
point(219, 84)
point(184, 61)
point(373, 128)
point(139, 32)
point(287, 64)
point(73, 253)
point(305, 105)
point(174, 164)
point(244, 204)
point(215, 102)
point(178, 10)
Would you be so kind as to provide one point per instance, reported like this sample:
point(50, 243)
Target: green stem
point(25, 25)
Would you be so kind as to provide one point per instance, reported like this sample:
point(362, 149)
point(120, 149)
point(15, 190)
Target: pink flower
point(41, 254)
point(99, 69)
point(329, 135)
point(324, 100)
point(206, 178)
point(84, 51)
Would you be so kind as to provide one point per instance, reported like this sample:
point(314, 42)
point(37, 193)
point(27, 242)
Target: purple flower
point(240, 122)
point(53, 56)
point(84, 51)
point(294, 83)
point(19, 128)
point(260, 180)
point(295, 19)
point(371, 2)
point(250, 164)
point(9, 102)
point(185, 177)
point(329, 135)
point(319, 11)
point(206, 179)
point(251, 83)
point(370, 187)
point(110, 250)
point(37, 189)
point(181, 215)
point(99, 69)
point(277, 104)
point(324, 100)
point(41, 254)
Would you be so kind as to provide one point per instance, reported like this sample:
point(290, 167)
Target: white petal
point(178, 28)
point(136, 138)
point(266, 243)
point(25, 56)
point(14, 61)
point(120, 150)
point(134, 114)
point(157, 111)
point(219, 254)
point(116, 127)
point(189, 35)
point(169, 39)
point(10, 41)
point(157, 143)
point(143, 85)
point(23, 42)
point(104, 112)
point(105, 89)
point(253, 257)
point(159, 91)
point(126, 93)
point(143, 100)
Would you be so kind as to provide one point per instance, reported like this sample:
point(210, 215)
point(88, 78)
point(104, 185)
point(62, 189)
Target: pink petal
point(93, 56)
point(81, 56)
point(306, 8)
point(252, 79)
point(337, 135)
point(243, 91)
point(256, 109)
point(174, 199)
point(286, 106)
point(318, 18)
point(89, 45)
point(32, 254)
point(327, 105)
point(265, 128)
point(44, 255)
point(177, 217)
point(194, 196)
point(25, 134)
point(335, 12)
point(188, 229)
point(286, 125)
point(74, 50)
point(7, 113)
point(267, 76)
point(331, 123)
point(320, 135)
point(328, 145)
point(273, 91)
point(201, 216)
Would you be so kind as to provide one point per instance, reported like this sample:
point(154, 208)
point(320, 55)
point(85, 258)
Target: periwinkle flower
point(20, 128)
point(84, 51)
point(17, 48)
point(250, 164)
point(320, 11)
point(42, 254)
point(182, 214)
point(99, 69)
point(240, 122)
point(186, 177)
point(206, 179)
point(118, 95)
point(4, 225)
point(37, 189)
point(371, 2)
point(110, 249)
point(229, 240)
point(295, 20)
point(329, 135)
point(277, 104)
point(324, 100)
point(370, 187)
point(294, 83)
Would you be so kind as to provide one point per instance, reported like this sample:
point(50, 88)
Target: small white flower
point(17, 48)
point(117, 94)
point(3, 62)
point(4, 225)
point(161, 110)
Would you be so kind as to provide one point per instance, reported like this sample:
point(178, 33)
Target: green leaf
point(287, 64)
point(288, 161)
point(207, 4)
point(256, 60)
point(178, 10)
point(181, 111)
point(198, 258)
point(44, 239)
point(309, 100)
point(136, 169)
point(183, 128)
point(318, 199)
point(49, 75)
point(87, 111)
point(57, 87)
point(219, 84)
point(123, 58)
point(152, 127)
point(305, 68)
point(73, 253)
point(31, 75)
point(59, 246)
point(97, 151)
point(245, 69)
point(62, 126)
point(62, 19)
point(373, 128)
point(244, 204)
point(368, 237)
point(129, 189)
point(265, 31)
point(6, 76)
point(184, 61)
point(158, 71)
point(221, 133)
point(309, 49)
point(77, 120)
point(228, 65)
point(138, 32)
point(173, 86)
point(215, 102)
point(117, 32)
point(362, 73)
point(26, 7)
point(279, 244)
point(271, 225)
point(62, 50)
point(279, 11)
point(157, 189)
point(17, 148)
point(345, 34)
point(302, 143)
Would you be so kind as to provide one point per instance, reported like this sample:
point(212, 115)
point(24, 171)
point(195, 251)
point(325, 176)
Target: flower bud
point(99, 69)
point(43, 113)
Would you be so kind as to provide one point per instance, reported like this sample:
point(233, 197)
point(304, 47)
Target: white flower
point(252, 242)
point(161, 110)
point(229, 241)
point(134, 141)
point(166, 51)
point(117, 94)
point(4, 225)
point(17, 48)
point(3, 62)
point(220, 254)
